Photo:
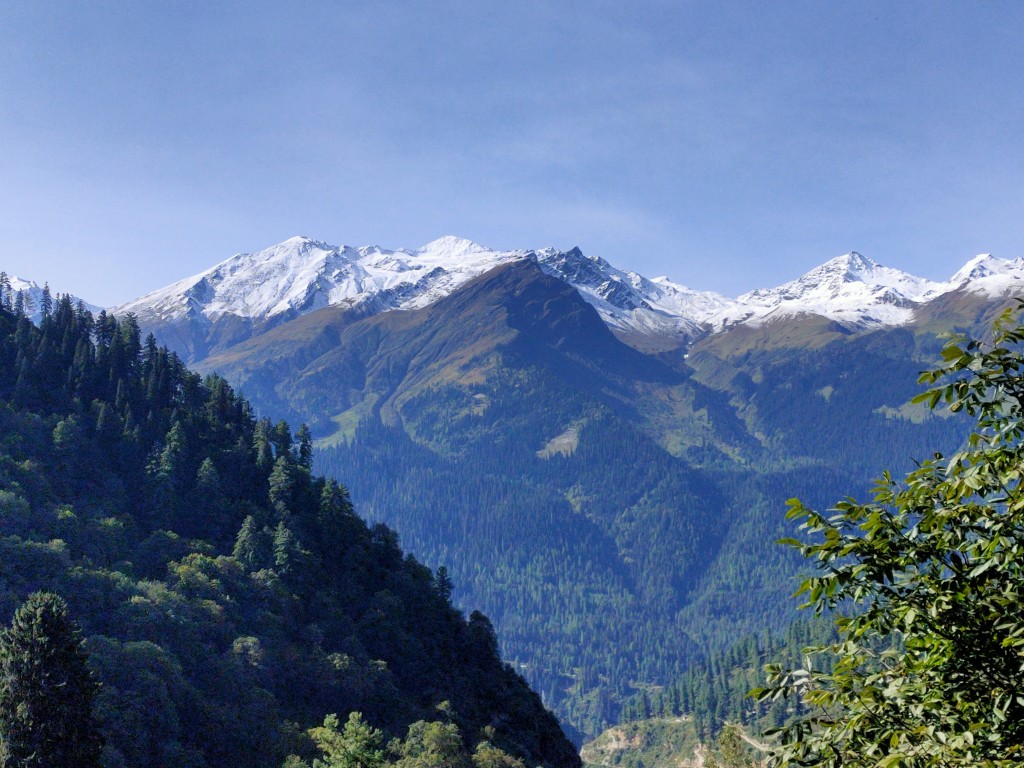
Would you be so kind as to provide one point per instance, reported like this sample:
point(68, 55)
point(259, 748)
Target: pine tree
point(305, 446)
point(253, 547)
point(46, 302)
point(22, 303)
point(46, 690)
point(282, 483)
point(445, 586)
point(357, 745)
point(286, 549)
point(281, 437)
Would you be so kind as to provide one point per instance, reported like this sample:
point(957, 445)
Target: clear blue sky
point(728, 145)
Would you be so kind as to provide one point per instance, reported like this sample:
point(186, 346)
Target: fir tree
point(357, 745)
point(46, 303)
point(305, 446)
point(252, 546)
point(46, 690)
point(444, 583)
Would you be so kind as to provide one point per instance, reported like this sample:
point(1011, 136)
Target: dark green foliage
point(427, 744)
point(717, 690)
point(228, 597)
point(46, 690)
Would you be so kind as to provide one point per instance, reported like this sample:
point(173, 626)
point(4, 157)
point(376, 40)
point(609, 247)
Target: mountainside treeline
point(230, 598)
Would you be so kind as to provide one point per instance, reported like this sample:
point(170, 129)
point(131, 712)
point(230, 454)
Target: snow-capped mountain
point(630, 302)
point(251, 292)
point(301, 275)
point(990, 276)
point(32, 297)
point(851, 289)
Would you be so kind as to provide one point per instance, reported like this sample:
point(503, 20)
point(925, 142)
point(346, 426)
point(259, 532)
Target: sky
point(728, 145)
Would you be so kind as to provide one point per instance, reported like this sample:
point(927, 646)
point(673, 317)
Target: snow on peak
point(300, 275)
point(852, 289)
point(990, 275)
point(982, 265)
point(453, 247)
point(630, 302)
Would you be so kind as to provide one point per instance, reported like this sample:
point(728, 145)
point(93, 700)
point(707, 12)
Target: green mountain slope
point(229, 597)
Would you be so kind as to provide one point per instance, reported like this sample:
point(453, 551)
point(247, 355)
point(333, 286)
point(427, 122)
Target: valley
point(600, 460)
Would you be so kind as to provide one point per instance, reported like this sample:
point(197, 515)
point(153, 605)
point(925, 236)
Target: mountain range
point(600, 459)
point(250, 293)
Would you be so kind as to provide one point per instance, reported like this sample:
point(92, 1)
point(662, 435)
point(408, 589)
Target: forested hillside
point(230, 598)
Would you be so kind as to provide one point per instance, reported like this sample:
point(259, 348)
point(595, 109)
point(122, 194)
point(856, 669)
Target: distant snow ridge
point(991, 276)
point(301, 275)
point(630, 302)
point(33, 297)
point(851, 289)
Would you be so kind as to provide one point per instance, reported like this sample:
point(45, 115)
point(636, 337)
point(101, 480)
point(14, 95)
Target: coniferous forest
point(229, 600)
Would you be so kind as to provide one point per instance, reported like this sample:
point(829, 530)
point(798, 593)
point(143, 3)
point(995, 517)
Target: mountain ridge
point(515, 306)
point(250, 293)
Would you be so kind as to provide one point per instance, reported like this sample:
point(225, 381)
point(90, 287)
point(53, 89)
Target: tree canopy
point(228, 597)
point(926, 582)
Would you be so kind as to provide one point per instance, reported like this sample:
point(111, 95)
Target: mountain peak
point(982, 265)
point(32, 295)
point(852, 289)
point(299, 243)
point(452, 247)
point(989, 275)
point(851, 266)
point(858, 261)
point(250, 292)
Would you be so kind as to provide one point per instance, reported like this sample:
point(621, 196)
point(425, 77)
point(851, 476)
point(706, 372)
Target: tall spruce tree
point(46, 690)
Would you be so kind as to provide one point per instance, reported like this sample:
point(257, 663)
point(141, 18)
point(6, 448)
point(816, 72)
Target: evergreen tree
point(46, 303)
point(286, 549)
point(281, 437)
point(357, 745)
point(444, 583)
point(253, 548)
point(282, 482)
point(261, 443)
point(46, 690)
point(305, 446)
point(24, 305)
